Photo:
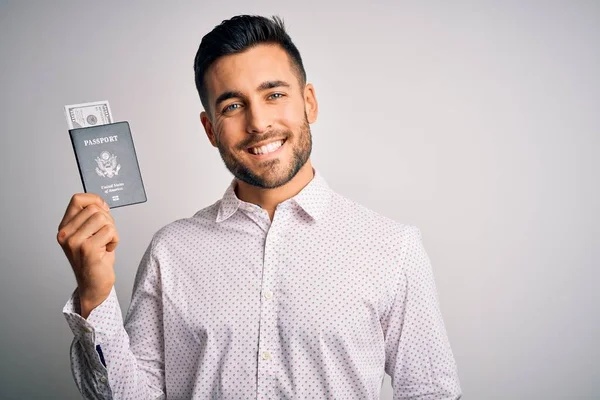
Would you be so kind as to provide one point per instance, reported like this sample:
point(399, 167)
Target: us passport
point(108, 163)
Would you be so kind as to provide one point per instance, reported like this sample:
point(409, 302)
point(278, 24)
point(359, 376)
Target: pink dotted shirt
point(316, 304)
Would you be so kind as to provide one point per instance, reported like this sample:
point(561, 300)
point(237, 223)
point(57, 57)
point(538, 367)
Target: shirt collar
point(313, 198)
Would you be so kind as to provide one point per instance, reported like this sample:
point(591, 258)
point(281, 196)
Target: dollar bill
point(88, 114)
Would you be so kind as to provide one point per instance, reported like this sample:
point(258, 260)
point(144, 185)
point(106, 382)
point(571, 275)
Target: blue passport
point(108, 164)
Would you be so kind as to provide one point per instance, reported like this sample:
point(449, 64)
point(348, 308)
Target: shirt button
point(268, 294)
point(88, 329)
point(103, 379)
point(266, 355)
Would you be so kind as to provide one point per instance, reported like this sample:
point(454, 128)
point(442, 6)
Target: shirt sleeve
point(115, 360)
point(419, 359)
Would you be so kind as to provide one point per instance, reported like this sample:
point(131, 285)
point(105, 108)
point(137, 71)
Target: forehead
point(245, 71)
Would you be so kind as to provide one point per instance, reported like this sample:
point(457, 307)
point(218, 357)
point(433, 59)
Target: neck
point(268, 199)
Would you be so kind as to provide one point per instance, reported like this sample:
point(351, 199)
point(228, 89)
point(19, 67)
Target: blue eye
point(277, 94)
point(230, 107)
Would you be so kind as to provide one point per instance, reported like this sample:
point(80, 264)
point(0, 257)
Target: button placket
point(267, 343)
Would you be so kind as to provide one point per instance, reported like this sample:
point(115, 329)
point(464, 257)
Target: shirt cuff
point(104, 322)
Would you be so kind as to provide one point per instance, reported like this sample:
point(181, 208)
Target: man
point(283, 289)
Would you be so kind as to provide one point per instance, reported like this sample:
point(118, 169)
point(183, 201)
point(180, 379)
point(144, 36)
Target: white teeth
point(267, 148)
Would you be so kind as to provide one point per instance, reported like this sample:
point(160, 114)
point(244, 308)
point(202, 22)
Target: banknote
point(88, 114)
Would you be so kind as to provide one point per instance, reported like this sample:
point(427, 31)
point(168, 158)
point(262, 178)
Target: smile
point(268, 148)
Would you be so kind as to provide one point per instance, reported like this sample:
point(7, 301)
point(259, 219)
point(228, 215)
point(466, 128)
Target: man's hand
point(88, 236)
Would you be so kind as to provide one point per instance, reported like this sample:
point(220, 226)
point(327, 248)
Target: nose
point(258, 119)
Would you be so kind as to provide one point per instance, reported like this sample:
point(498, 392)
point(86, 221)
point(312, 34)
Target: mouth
point(268, 150)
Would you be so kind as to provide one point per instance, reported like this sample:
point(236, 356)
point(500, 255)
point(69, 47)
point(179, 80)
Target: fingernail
point(106, 207)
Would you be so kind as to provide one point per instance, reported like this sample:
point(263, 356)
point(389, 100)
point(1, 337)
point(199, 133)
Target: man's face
point(256, 99)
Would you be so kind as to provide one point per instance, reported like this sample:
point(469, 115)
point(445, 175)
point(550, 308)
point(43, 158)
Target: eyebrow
point(263, 86)
point(272, 84)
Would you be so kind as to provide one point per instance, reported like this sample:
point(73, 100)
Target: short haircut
point(236, 35)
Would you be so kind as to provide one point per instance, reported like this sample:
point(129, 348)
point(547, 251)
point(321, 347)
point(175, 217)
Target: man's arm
point(105, 363)
point(418, 355)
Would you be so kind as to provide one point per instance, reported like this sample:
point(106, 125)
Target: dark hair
point(236, 35)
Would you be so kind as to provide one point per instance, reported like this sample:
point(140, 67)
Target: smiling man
point(283, 288)
point(259, 108)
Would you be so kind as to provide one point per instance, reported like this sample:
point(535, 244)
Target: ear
point(208, 128)
point(311, 107)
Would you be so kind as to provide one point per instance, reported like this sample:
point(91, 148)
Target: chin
point(272, 178)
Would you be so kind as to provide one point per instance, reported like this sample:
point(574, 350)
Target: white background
point(478, 122)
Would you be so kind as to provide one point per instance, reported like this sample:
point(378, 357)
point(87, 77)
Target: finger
point(75, 223)
point(106, 236)
point(78, 202)
point(111, 246)
point(92, 225)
